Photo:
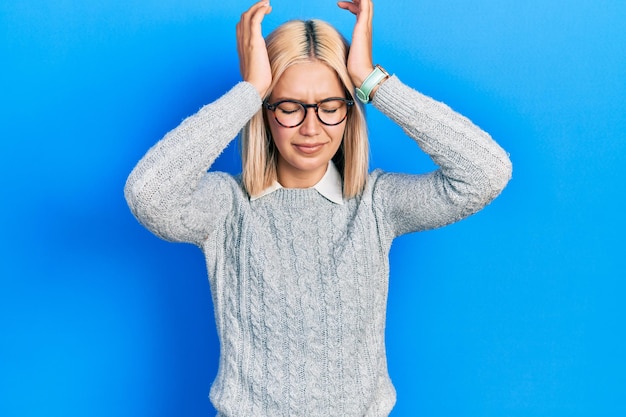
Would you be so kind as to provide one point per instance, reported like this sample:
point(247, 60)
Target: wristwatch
point(371, 81)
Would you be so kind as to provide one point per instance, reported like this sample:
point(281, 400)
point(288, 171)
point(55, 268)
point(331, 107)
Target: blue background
point(517, 311)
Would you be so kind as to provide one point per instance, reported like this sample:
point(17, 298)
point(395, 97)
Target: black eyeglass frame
point(273, 106)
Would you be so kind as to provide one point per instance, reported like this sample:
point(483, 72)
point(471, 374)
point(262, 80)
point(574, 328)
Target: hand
point(254, 63)
point(360, 63)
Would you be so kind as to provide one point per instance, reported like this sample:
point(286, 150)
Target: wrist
point(366, 90)
point(359, 77)
point(261, 87)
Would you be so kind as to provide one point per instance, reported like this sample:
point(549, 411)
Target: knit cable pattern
point(299, 283)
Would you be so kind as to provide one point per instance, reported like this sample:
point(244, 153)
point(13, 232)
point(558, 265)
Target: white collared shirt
point(330, 186)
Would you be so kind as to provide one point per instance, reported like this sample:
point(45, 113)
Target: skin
point(299, 167)
point(304, 151)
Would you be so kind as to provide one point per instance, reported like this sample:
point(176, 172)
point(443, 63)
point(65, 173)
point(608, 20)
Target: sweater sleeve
point(473, 169)
point(170, 191)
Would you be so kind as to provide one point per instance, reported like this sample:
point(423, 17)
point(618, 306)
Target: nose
point(311, 125)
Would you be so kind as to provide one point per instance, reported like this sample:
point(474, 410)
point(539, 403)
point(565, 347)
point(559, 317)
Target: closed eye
point(288, 111)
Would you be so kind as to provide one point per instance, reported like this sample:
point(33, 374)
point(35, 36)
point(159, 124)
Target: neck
point(290, 178)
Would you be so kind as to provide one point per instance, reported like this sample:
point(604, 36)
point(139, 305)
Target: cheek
point(280, 135)
point(336, 133)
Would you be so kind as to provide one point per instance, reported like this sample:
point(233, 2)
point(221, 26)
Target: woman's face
point(304, 150)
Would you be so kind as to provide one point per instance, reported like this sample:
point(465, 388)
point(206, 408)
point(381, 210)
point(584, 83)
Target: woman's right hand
point(254, 63)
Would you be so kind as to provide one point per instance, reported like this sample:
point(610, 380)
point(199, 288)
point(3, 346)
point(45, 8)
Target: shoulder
point(376, 188)
point(376, 181)
point(222, 188)
point(389, 191)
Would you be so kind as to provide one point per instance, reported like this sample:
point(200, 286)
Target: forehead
point(310, 81)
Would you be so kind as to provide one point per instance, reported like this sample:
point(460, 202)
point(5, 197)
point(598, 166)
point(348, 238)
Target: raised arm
point(473, 168)
point(169, 191)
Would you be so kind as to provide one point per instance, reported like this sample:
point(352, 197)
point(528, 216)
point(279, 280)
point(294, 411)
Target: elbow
point(137, 199)
point(498, 177)
point(145, 211)
point(130, 195)
point(505, 172)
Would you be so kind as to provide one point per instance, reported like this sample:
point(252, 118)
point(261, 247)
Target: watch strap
point(371, 81)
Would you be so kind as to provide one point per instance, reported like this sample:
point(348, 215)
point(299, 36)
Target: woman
point(297, 246)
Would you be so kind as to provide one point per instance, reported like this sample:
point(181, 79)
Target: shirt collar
point(330, 186)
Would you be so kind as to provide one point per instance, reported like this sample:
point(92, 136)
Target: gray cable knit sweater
point(299, 283)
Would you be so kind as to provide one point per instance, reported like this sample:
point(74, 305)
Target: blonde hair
point(295, 42)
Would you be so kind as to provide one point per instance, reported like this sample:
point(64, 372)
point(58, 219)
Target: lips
point(308, 148)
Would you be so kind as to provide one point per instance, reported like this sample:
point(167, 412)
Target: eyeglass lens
point(292, 113)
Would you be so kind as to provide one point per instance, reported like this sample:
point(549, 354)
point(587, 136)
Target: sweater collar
point(330, 186)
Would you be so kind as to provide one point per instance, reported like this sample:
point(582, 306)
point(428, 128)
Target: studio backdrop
point(515, 311)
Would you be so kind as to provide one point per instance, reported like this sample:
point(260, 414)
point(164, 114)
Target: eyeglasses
point(291, 113)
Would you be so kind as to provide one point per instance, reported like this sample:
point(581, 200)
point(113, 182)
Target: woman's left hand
point(360, 63)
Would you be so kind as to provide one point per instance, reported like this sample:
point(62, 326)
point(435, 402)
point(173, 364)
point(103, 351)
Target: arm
point(473, 169)
point(169, 191)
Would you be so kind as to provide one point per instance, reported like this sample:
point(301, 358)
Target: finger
point(260, 8)
point(249, 24)
point(356, 6)
point(350, 6)
point(254, 15)
point(259, 12)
